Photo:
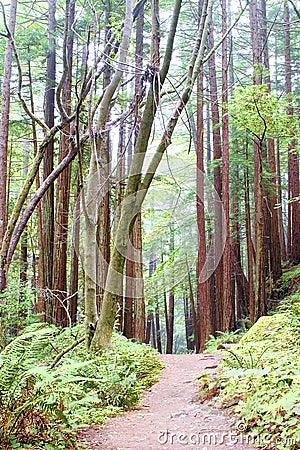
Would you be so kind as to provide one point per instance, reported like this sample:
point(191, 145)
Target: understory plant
point(229, 337)
point(47, 392)
point(261, 379)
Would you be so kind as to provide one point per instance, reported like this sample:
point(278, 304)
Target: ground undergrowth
point(260, 378)
point(45, 396)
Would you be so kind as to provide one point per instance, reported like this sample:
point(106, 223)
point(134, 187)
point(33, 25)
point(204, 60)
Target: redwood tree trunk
point(74, 262)
point(242, 284)
point(204, 325)
point(250, 256)
point(63, 186)
point(217, 154)
point(171, 303)
point(228, 306)
point(139, 301)
point(293, 159)
point(4, 127)
point(48, 199)
point(271, 214)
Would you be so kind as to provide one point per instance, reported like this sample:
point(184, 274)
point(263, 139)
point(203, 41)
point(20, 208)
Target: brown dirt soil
point(169, 417)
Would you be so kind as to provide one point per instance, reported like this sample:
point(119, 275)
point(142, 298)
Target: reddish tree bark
point(228, 306)
point(271, 214)
point(171, 302)
point(139, 301)
point(242, 284)
point(134, 265)
point(293, 159)
point(259, 216)
point(103, 144)
point(217, 155)
point(74, 272)
point(119, 194)
point(4, 127)
point(63, 183)
point(250, 255)
point(204, 326)
point(48, 199)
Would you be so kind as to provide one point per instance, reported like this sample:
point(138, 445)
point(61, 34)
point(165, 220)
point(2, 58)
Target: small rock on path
point(168, 417)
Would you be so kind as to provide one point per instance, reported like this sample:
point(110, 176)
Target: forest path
point(169, 407)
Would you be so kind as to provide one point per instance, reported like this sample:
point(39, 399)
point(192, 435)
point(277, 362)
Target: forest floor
point(169, 415)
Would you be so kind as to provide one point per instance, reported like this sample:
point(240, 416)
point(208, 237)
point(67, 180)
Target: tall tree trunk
point(157, 327)
point(129, 302)
point(136, 190)
point(250, 256)
point(40, 305)
point(171, 305)
point(74, 261)
point(103, 149)
point(204, 325)
point(217, 155)
point(194, 316)
point(119, 194)
point(91, 202)
point(4, 128)
point(293, 159)
point(139, 301)
point(24, 240)
point(134, 262)
point(148, 327)
point(188, 324)
point(63, 183)
point(242, 284)
point(271, 214)
point(259, 219)
point(48, 199)
point(282, 238)
point(228, 306)
point(260, 278)
point(280, 209)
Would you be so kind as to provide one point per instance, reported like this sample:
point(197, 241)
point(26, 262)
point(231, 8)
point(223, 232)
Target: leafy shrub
point(42, 401)
point(25, 401)
point(231, 337)
point(261, 379)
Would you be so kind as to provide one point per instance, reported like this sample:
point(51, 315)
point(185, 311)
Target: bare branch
point(65, 351)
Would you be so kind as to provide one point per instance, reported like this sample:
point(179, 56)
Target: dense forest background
point(149, 166)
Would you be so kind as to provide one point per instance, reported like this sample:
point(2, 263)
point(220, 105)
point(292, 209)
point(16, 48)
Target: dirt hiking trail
point(169, 417)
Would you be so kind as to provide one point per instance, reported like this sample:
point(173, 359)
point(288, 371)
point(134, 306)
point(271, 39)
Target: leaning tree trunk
point(91, 202)
point(137, 188)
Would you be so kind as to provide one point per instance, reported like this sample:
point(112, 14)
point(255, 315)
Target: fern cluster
point(261, 380)
point(42, 402)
